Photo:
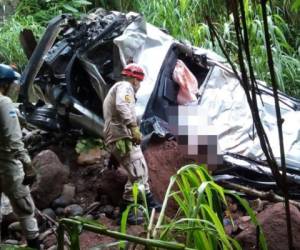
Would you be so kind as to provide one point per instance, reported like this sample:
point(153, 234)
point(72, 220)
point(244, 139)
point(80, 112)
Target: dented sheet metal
point(79, 61)
point(229, 112)
point(146, 45)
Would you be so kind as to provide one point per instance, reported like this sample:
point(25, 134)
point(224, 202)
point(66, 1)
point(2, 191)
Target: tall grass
point(198, 223)
point(34, 15)
point(10, 48)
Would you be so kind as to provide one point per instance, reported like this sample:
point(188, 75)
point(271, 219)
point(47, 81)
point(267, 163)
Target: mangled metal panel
point(75, 74)
point(148, 46)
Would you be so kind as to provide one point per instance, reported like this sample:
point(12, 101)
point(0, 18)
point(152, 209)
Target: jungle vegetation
point(190, 21)
point(185, 20)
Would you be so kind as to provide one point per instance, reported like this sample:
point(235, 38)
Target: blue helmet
point(8, 74)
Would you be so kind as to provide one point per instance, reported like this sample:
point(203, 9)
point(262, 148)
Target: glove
point(136, 135)
point(30, 174)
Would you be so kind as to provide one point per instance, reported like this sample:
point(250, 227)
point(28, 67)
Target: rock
point(93, 156)
point(66, 197)
point(108, 210)
point(43, 222)
point(273, 221)
point(245, 219)
point(12, 242)
point(51, 176)
point(16, 226)
point(50, 241)
point(59, 202)
point(15, 231)
point(60, 211)
point(73, 210)
point(89, 217)
point(68, 192)
point(50, 213)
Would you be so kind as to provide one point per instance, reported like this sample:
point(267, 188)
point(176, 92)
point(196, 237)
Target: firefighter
point(123, 137)
point(16, 171)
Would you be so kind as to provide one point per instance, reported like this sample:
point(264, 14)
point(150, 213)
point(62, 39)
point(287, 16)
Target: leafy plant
point(86, 144)
point(198, 224)
point(199, 218)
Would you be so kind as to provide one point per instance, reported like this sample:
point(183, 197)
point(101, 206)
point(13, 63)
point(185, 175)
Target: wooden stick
point(269, 195)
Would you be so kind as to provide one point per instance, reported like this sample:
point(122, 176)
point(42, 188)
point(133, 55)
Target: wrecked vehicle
point(188, 92)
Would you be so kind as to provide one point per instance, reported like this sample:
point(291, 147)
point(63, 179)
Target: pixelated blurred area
point(194, 134)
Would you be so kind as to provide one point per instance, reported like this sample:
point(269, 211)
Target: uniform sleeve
point(125, 103)
point(11, 134)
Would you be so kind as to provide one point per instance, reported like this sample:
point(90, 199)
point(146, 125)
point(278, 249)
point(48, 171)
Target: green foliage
point(10, 48)
point(185, 19)
point(286, 58)
point(296, 5)
point(34, 15)
point(86, 144)
point(199, 220)
point(43, 11)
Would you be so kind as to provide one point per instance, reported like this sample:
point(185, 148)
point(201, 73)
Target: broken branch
point(269, 195)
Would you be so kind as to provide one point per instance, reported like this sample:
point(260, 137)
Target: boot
point(132, 219)
point(34, 243)
point(152, 203)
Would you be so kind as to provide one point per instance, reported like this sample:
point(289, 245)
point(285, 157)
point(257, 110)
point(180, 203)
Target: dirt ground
point(164, 159)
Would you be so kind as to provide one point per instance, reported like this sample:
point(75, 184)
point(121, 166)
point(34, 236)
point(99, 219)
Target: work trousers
point(19, 197)
point(135, 164)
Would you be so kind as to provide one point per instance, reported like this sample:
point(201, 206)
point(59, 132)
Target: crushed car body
point(77, 61)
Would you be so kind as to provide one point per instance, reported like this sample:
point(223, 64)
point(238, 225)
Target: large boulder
point(273, 221)
point(51, 177)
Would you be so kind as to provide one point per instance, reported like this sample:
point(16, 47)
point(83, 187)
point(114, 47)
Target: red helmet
point(133, 70)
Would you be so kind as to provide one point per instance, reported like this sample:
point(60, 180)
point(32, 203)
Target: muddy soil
point(164, 159)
